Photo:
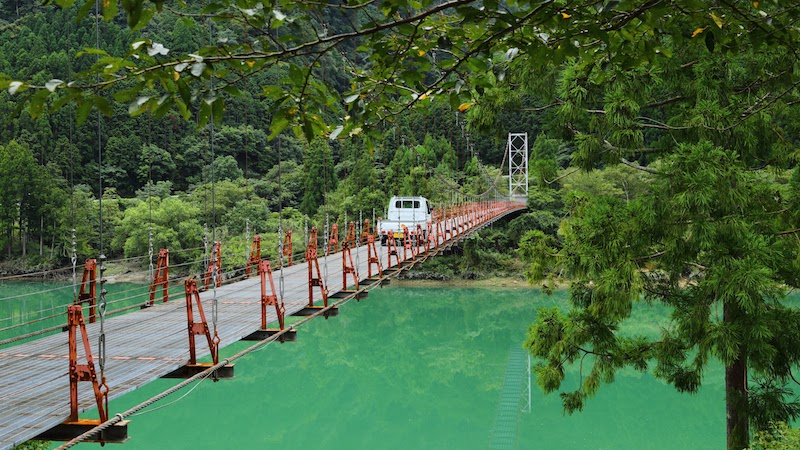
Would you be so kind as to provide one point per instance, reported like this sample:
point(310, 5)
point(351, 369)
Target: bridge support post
point(429, 244)
point(199, 329)
point(372, 258)
point(365, 232)
point(255, 256)
point(75, 426)
point(347, 257)
point(270, 298)
point(391, 250)
point(315, 280)
point(287, 248)
point(88, 292)
point(418, 240)
point(82, 372)
point(407, 246)
point(333, 239)
point(160, 278)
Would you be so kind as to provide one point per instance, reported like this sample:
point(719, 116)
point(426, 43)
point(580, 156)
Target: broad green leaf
point(272, 91)
point(232, 90)
point(63, 100)
point(183, 109)
point(110, 9)
point(16, 86)
point(477, 65)
point(280, 121)
point(185, 93)
point(511, 53)
point(53, 84)
point(103, 105)
point(218, 110)
point(138, 106)
point(203, 114)
point(335, 133)
point(198, 68)
point(164, 105)
point(37, 102)
point(308, 129)
point(128, 94)
point(87, 6)
point(455, 100)
point(146, 17)
point(84, 108)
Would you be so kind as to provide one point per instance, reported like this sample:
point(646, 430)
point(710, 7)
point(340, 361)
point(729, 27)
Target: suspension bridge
point(47, 382)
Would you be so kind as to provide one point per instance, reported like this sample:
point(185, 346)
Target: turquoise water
point(409, 367)
point(419, 368)
point(27, 307)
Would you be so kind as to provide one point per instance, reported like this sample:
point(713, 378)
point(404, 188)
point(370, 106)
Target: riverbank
point(488, 282)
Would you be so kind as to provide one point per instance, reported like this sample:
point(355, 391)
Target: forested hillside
point(665, 152)
point(157, 172)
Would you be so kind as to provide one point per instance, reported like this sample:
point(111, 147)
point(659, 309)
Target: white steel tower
point(518, 164)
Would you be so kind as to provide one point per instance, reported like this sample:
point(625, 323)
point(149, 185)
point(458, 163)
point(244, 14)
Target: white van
point(408, 211)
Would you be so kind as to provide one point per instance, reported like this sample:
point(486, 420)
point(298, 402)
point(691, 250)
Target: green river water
point(421, 368)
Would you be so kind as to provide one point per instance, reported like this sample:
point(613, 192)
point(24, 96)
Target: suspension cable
point(326, 248)
point(327, 237)
point(74, 253)
point(358, 242)
point(246, 239)
point(102, 303)
point(150, 219)
point(280, 225)
point(214, 270)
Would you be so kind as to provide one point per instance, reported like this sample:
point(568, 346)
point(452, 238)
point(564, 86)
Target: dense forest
point(157, 172)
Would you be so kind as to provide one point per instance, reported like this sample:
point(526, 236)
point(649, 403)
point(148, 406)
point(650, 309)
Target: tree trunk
point(41, 235)
point(738, 421)
point(23, 231)
point(53, 242)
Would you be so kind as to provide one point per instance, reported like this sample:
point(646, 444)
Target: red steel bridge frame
point(441, 234)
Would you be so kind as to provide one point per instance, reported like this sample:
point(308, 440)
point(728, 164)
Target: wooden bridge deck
point(144, 345)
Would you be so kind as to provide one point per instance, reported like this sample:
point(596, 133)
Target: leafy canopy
point(400, 53)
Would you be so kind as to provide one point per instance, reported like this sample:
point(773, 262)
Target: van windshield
point(406, 204)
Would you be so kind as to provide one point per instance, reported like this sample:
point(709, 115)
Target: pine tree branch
point(562, 176)
point(654, 255)
point(665, 102)
point(639, 167)
point(542, 108)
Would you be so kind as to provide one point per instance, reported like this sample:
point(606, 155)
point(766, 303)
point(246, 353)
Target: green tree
point(778, 437)
point(175, 224)
point(224, 168)
point(17, 170)
point(155, 164)
point(701, 243)
point(320, 177)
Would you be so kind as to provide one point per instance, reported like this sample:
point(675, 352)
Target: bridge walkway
point(147, 344)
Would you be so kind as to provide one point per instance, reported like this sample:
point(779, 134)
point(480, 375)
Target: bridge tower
point(517, 165)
